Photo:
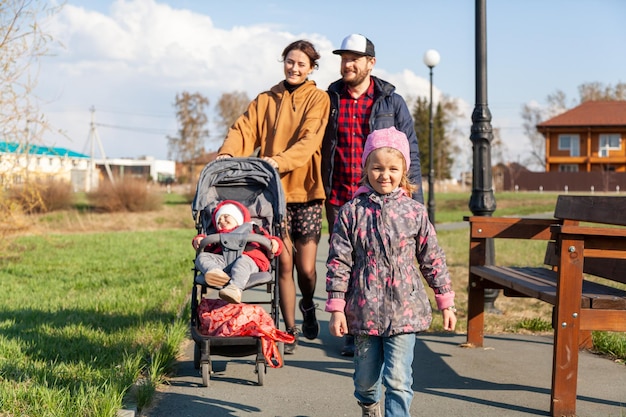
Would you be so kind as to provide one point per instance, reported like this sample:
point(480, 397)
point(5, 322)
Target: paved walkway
point(509, 377)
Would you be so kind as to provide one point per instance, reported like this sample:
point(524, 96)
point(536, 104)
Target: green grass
point(84, 316)
point(535, 324)
point(610, 343)
point(452, 207)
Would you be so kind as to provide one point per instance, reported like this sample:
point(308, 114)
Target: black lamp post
point(482, 202)
point(431, 59)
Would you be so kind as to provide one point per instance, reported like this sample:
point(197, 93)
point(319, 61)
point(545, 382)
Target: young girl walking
point(380, 239)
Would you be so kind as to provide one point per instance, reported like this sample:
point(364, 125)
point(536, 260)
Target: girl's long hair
point(405, 182)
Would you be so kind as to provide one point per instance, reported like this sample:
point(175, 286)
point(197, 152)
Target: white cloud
point(131, 63)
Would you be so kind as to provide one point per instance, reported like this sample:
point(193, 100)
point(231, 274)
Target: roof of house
point(12, 147)
point(590, 113)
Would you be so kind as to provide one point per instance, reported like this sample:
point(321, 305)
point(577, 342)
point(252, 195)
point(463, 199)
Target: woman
point(287, 124)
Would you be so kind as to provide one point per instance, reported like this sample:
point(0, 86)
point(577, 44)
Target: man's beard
point(357, 80)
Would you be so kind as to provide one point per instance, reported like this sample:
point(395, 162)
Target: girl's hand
point(337, 324)
point(223, 156)
point(449, 320)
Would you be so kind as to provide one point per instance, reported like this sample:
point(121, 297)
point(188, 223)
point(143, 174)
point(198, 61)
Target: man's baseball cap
point(357, 44)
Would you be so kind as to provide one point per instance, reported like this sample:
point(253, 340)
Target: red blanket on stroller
point(219, 318)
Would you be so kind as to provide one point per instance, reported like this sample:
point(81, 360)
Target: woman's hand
point(270, 161)
point(223, 156)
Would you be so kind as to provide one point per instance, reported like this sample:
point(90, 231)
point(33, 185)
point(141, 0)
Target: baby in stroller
point(233, 275)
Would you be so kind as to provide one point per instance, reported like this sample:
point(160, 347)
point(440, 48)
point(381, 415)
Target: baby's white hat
point(232, 210)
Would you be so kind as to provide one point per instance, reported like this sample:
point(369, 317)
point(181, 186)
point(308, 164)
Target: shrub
point(126, 195)
point(42, 196)
point(57, 195)
point(12, 220)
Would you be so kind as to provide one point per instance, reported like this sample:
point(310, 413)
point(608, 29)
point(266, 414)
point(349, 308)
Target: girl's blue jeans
point(385, 361)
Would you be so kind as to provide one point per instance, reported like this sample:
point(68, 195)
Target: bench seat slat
point(540, 283)
point(532, 282)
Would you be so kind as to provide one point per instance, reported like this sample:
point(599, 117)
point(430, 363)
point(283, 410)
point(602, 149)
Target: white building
point(19, 163)
point(147, 168)
point(22, 162)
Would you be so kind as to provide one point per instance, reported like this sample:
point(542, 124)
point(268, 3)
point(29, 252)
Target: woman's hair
point(405, 182)
point(306, 47)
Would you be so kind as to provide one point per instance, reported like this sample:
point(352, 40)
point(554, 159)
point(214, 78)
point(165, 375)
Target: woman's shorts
point(304, 221)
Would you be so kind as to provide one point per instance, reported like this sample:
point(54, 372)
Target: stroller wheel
point(206, 374)
point(260, 371)
point(196, 356)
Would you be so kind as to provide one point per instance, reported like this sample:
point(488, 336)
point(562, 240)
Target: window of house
point(570, 143)
point(568, 168)
point(609, 142)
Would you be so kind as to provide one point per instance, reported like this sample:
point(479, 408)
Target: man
point(359, 104)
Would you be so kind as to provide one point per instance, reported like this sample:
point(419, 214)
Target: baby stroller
point(255, 184)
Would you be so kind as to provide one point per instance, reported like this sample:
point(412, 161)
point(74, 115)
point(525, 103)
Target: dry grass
point(169, 216)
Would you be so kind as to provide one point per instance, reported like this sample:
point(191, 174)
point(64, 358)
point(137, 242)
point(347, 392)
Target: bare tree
point(22, 43)
point(498, 147)
point(598, 91)
point(229, 107)
point(532, 115)
point(188, 144)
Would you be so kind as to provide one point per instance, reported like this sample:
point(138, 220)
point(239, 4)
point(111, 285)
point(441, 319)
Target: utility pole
point(93, 139)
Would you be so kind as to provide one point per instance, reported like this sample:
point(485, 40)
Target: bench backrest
point(595, 209)
point(608, 210)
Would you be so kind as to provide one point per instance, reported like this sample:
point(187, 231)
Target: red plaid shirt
point(352, 130)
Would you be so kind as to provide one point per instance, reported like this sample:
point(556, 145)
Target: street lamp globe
point(431, 58)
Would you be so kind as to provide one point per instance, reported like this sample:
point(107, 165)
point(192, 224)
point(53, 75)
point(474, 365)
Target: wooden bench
point(579, 244)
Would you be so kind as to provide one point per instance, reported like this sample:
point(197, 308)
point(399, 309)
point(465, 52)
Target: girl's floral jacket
point(379, 246)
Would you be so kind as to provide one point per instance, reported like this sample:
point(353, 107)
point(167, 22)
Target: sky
point(121, 63)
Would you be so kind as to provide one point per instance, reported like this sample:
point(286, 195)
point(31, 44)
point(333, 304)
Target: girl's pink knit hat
point(387, 138)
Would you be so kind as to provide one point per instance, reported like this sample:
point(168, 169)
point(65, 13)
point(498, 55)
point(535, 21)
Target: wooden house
point(587, 138)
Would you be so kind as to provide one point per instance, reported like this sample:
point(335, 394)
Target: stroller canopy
point(251, 181)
